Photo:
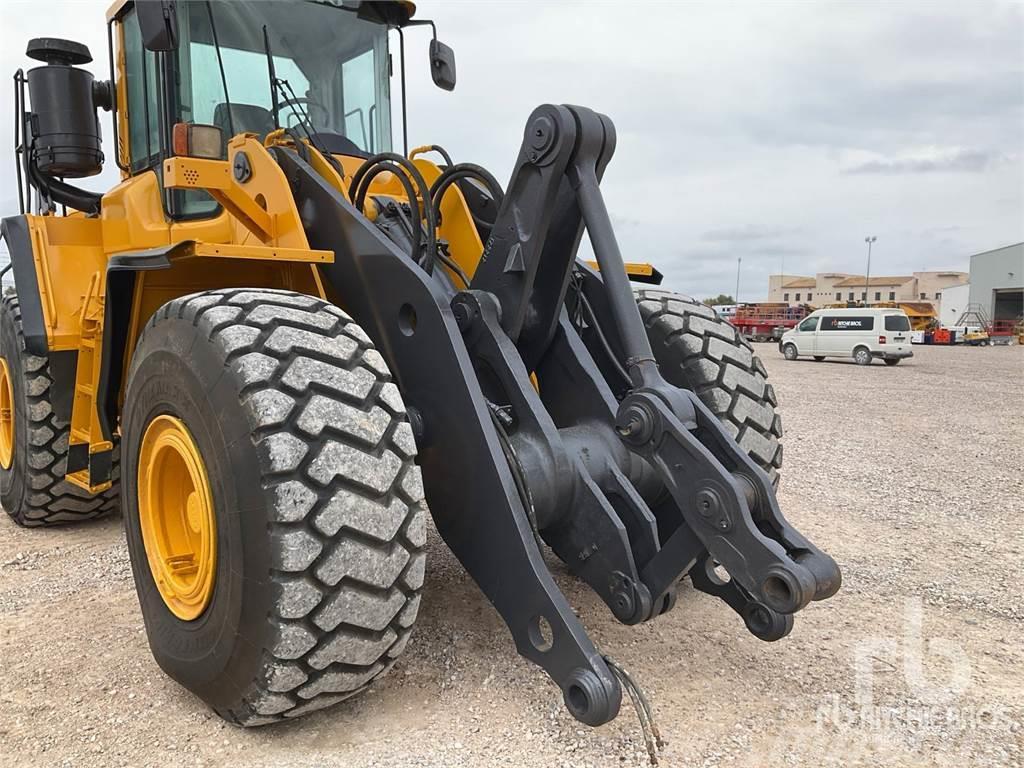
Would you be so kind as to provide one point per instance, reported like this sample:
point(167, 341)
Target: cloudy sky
point(779, 133)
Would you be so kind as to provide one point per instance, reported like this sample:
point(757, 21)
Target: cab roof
point(406, 7)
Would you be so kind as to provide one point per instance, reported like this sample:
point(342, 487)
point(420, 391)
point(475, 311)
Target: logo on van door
point(839, 323)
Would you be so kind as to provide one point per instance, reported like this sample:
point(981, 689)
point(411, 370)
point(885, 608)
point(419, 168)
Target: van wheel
point(818, 358)
point(789, 352)
point(862, 356)
point(891, 360)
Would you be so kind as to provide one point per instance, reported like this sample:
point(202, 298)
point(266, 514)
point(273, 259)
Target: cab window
point(810, 324)
point(142, 86)
point(330, 75)
point(358, 91)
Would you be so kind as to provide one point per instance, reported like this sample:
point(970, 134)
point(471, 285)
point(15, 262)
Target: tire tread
point(330, 430)
point(49, 498)
point(699, 351)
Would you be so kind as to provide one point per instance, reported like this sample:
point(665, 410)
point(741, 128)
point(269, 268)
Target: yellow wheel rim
point(6, 416)
point(176, 514)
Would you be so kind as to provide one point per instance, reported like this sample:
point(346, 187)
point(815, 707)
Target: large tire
point(698, 351)
point(33, 489)
point(319, 513)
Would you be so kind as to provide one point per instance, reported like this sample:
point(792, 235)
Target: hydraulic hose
point(464, 171)
point(432, 148)
point(413, 172)
point(441, 184)
point(360, 200)
point(453, 174)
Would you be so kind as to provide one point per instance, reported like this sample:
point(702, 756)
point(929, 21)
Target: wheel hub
point(176, 515)
point(6, 416)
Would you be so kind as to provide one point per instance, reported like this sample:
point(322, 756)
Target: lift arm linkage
point(632, 484)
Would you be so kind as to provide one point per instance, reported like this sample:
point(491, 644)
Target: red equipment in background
point(1004, 327)
point(768, 321)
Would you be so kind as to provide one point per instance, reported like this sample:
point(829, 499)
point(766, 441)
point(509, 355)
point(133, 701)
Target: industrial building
point(832, 287)
point(997, 285)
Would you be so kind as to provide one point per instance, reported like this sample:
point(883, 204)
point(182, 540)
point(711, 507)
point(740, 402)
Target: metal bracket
point(769, 559)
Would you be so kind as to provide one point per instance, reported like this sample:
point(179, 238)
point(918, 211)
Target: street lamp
point(867, 276)
point(736, 298)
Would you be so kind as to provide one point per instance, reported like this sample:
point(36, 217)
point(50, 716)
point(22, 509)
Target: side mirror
point(442, 65)
point(158, 22)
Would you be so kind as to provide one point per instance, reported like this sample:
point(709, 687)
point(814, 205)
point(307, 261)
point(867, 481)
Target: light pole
point(736, 298)
point(867, 276)
point(782, 271)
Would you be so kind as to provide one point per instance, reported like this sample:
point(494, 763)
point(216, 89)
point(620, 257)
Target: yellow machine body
point(254, 239)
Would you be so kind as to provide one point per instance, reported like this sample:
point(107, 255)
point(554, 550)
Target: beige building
point(840, 287)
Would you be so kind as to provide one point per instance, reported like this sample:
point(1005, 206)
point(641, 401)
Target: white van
point(861, 333)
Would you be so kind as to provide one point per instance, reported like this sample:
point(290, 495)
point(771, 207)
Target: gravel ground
point(911, 477)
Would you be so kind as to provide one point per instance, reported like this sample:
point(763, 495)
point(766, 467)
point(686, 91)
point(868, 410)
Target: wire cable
point(644, 713)
point(591, 319)
point(445, 258)
point(518, 473)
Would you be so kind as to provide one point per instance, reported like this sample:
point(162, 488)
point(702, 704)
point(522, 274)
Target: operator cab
point(318, 69)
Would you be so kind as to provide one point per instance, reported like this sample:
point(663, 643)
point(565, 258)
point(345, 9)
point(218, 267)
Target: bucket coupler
point(632, 487)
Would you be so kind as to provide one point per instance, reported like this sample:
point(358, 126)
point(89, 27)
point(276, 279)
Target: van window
point(847, 323)
point(809, 324)
point(897, 323)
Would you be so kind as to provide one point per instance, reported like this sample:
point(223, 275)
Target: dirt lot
point(912, 477)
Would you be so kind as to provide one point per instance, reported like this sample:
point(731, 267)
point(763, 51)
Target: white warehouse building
point(954, 303)
point(997, 285)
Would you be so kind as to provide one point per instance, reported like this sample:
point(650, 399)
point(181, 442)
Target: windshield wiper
point(223, 77)
point(279, 85)
point(273, 77)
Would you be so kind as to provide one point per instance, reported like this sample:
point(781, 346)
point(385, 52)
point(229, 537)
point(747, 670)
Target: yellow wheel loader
point(277, 343)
